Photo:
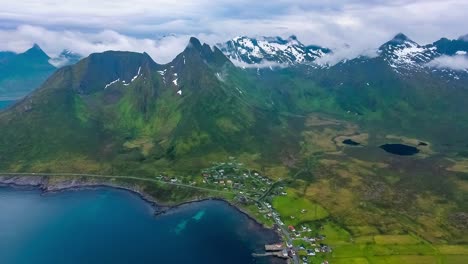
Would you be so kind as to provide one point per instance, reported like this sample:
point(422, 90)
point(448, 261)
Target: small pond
point(351, 142)
point(400, 149)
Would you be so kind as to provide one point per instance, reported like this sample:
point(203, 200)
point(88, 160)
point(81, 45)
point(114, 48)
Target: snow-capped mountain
point(402, 52)
point(66, 57)
point(267, 50)
point(406, 56)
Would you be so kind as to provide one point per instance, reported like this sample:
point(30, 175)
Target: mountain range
point(247, 50)
point(110, 101)
point(22, 73)
point(401, 53)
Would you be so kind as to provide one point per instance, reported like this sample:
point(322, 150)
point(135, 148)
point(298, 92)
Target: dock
point(274, 247)
point(274, 250)
point(278, 254)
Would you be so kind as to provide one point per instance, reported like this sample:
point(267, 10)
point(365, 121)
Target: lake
point(400, 149)
point(107, 225)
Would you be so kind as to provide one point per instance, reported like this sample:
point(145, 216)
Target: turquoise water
point(114, 226)
point(5, 104)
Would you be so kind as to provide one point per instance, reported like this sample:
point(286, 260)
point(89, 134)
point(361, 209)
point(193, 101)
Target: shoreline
point(159, 208)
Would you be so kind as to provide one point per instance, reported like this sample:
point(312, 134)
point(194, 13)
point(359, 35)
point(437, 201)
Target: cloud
point(261, 65)
point(139, 25)
point(53, 42)
point(456, 62)
point(345, 53)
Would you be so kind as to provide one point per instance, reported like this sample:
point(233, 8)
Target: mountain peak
point(66, 57)
point(196, 50)
point(293, 40)
point(464, 38)
point(401, 37)
point(194, 43)
point(399, 40)
point(37, 52)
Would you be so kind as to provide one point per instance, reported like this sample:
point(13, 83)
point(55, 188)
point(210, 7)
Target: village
point(302, 243)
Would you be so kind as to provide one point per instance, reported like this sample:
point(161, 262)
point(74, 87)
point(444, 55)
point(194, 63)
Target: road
point(285, 232)
point(116, 177)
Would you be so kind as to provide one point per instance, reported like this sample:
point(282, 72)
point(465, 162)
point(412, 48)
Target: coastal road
point(115, 177)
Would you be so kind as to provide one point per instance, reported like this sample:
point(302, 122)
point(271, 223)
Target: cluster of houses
point(311, 246)
point(232, 176)
point(167, 179)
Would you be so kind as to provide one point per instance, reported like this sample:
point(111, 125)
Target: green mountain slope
point(121, 109)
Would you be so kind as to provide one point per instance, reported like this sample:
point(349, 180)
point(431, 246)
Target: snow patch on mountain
point(402, 52)
point(136, 76)
point(111, 83)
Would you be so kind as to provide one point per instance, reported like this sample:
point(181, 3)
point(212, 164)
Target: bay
point(108, 225)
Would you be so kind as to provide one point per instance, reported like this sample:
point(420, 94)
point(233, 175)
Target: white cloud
point(138, 25)
point(53, 42)
point(456, 62)
point(261, 65)
point(345, 53)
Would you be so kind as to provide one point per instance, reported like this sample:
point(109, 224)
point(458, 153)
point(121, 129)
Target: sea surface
point(5, 104)
point(108, 225)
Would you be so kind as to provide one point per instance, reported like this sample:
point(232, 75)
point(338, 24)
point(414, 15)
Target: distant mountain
point(66, 57)
point(245, 50)
point(401, 53)
point(405, 53)
point(406, 56)
point(22, 73)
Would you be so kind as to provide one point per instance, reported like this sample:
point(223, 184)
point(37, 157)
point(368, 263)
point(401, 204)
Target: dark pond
point(400, 149)
point(351, 142)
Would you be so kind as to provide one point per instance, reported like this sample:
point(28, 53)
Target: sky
point(162, 27)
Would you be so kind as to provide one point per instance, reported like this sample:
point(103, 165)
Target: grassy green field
point(296, 210)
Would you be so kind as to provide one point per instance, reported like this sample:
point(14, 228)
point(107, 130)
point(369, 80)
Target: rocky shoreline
point(43, 183)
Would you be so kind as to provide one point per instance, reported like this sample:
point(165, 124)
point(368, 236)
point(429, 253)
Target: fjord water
point(5, 104)
point(113, 226)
